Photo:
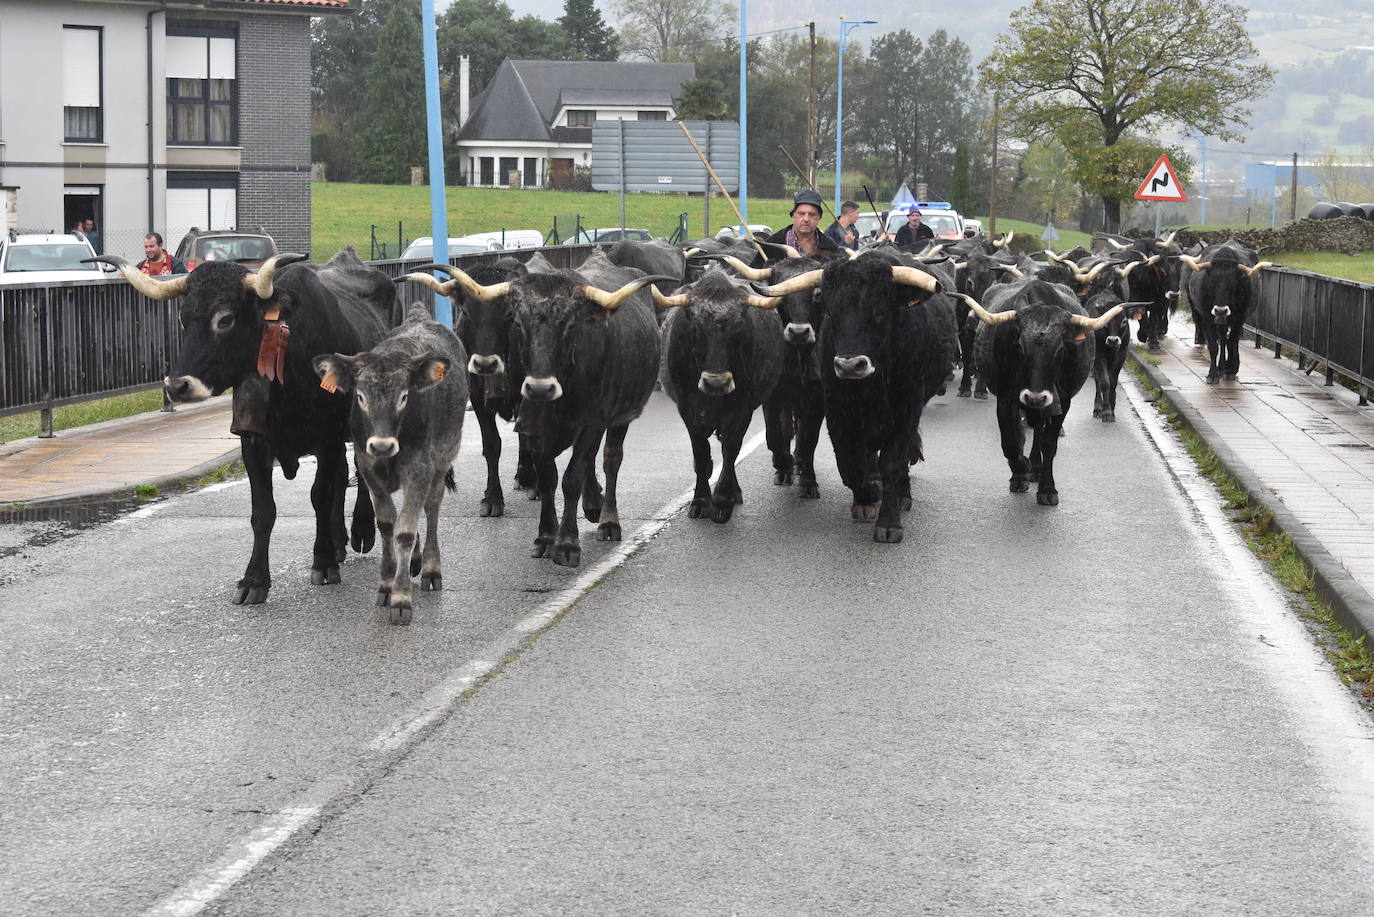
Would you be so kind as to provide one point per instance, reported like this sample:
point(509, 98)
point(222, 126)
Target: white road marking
point(1329, 721)
point(246, 852)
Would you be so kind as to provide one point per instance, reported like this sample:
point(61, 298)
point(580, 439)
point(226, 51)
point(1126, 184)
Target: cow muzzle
point(383, 446)
point(541, 390)
point(1221, 314)
point(716, 383)
point(1113, 341)
point(860, 367)
point(1037, 400)
point(485, 364)
point(185, 389)
point(799, 334)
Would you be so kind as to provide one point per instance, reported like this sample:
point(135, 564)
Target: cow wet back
point(410, 394)
point(232, 324)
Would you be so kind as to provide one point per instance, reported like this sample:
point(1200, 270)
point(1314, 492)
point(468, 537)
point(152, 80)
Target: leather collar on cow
point(276, 334)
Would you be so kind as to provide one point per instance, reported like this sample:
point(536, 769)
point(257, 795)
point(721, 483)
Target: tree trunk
point(1113, 214)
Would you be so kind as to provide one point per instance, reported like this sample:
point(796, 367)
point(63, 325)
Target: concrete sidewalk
point(106, 461)
point(1303, 449)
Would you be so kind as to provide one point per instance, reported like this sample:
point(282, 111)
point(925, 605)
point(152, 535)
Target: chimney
point(464, 87)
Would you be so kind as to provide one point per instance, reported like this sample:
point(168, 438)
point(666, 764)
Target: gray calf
point(411, 391)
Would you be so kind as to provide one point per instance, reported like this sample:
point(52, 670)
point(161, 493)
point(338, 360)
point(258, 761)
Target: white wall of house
point(612, 112)
point(523, 153)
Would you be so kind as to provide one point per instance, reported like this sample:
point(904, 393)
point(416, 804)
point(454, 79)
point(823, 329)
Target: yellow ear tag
point(914, 302)
point(273, 313)
point(1082, 336)
point(330, 383)
point(437, 373)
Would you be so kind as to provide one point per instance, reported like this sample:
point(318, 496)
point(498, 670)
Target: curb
point(1352, 605)
point(96, 504)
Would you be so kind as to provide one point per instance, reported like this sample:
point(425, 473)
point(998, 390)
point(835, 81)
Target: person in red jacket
point(159, 261)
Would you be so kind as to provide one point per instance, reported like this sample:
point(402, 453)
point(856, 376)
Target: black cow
point(656, 257)
point(1156, 281)
point(1112, 342)
point(1036, 350)
point(588, 342)
point(722, 358)
point(407, 427)
point(1219, 292)
point(494, 373)
point(235, 334)
point(887, 339)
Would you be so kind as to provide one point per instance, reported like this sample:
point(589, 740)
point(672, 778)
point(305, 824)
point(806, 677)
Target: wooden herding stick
point(721, 186)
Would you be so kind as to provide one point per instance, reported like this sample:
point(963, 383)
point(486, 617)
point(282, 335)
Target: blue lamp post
point(438, 207)
point(743, 191)
point(845, 29)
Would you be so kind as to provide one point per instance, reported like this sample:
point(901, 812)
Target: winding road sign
point(1161, 184)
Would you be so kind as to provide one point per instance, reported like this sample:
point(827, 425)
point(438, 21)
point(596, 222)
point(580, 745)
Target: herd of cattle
point(318, 354)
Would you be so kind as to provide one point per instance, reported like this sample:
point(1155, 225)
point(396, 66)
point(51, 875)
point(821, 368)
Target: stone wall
point(1343, 234)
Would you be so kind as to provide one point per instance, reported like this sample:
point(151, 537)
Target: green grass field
point(19, 426)
point(1334, 264)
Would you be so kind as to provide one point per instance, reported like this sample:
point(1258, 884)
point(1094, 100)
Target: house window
point(581, 117)
point(205, 200)
point(531, 177)
point(81, 88)
point(653, 116)
point(488, 169)
point(202, 89)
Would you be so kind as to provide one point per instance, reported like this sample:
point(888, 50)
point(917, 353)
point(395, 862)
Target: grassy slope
point(1352, 267)
point(19, 426)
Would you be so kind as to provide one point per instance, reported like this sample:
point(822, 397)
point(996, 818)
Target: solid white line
point(245, 853)
point(1328, 719)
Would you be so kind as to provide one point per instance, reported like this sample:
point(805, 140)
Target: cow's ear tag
point(273, 313)
point(606, 314)
point(437, 372)
point(330, 383)
point(914, 302)
point(1081, 336)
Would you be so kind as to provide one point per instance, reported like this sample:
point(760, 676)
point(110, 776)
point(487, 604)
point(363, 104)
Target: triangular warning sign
point(1161, 184)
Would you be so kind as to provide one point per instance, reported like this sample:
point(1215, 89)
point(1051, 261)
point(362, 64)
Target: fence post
point(1278, 316)
point(169, 325)
point(1364, 370)
point(1330, 373)
point(45, 330)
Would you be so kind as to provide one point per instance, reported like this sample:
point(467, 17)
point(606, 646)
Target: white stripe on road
point(1325, 715)
point(246, 852)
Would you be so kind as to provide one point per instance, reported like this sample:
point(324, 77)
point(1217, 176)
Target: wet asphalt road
point(1090, 709)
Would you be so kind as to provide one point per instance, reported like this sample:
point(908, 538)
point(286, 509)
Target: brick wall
point(274, 127)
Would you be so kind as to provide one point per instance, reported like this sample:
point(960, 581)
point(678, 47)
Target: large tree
point(393, 112)
point(670, 30)
point(488, 33)
point(591, 38)
point(1104, 76)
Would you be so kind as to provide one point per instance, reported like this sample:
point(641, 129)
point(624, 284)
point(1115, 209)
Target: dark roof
point(525, 95)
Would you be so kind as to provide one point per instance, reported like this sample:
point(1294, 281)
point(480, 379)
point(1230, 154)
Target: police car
point(940, 216)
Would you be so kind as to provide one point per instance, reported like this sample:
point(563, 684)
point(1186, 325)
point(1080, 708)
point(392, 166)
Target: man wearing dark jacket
point(914, 230)
point(159, 261)
point(842, 230)
point(803, 234)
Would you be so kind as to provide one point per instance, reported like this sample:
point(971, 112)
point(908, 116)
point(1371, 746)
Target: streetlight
point(845, 29)
point(742, 192)
point(1202, 145)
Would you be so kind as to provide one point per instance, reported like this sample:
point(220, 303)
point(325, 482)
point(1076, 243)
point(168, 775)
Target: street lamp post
point(845, 29)
point(742, 194)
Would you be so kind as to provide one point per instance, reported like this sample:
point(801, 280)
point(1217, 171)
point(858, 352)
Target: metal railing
point(64, 343)
point(1323, 320)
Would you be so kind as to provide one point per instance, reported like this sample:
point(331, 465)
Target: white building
point(534, 120)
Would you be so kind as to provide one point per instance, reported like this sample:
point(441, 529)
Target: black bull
point(235, 335)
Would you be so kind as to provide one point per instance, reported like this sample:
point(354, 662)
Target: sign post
point(1161, 185)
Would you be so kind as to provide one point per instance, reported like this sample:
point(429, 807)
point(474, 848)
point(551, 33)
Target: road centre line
point(246, 852)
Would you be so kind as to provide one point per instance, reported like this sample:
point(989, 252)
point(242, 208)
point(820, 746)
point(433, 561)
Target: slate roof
point(525, 95)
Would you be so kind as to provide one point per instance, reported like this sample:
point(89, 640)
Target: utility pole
point(1293, 189)
point(992, 196)
point(811, 113)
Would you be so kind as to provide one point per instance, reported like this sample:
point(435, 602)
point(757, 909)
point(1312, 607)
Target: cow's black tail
point(450, 481)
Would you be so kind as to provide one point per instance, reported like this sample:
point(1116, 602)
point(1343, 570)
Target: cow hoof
point(1153, 346)
point(383, 597)
point(809, 491)
point(698, 508)
point(490, 509)
point(251, 595)
point(401, 614)
point(864, 512)
point(1212, 379)
point(1019, 484)
point(1097, 412)
point(782, 477)
point(364, 535)
point(940, 390)
point(329, 576)
point(887, 534)
point(340, 553)
point(431, 582)
point(567, 554)
point(1109, 417)
point(964, 393)
point(1047, 498)
point(981, 396)
point(591, 509)
point(543, 547)
point(532, 494)
point(608, 531)
point(904, 503)
point(721, 512)
point(1033, 476)
point(1229, 377)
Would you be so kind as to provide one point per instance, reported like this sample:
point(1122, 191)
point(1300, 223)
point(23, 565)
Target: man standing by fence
point(159, 261)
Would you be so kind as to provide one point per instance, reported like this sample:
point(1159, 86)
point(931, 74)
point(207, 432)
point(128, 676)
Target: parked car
point(590, 236)
point(45, 258)
point(422, 249)
point(250, 249)
point(731, 232)
point(944, 221)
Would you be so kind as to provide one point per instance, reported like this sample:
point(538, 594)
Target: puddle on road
point(24, 528)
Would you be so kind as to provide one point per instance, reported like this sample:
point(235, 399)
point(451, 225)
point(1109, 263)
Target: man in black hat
point(804, 234)
point(914, 230)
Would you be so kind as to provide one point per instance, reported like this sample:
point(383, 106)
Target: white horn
point(1252, 271)
point(992, 318)
point(1095, 324)
point(613, 300)
point(1117, 245)
point(808, 281)
point(911, 277)
point(1011, 269)
point(744, 270)
point(668, 302)
point(1167, 240)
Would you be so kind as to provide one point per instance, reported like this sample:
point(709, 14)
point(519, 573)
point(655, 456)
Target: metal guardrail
point(1322, 319)
point(64, 343)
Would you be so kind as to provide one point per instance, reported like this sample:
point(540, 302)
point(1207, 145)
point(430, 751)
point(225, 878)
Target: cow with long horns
point(722, 358)
point(256, 332)
point(1036, 346)
point(1219, 291)
point(887, 339)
